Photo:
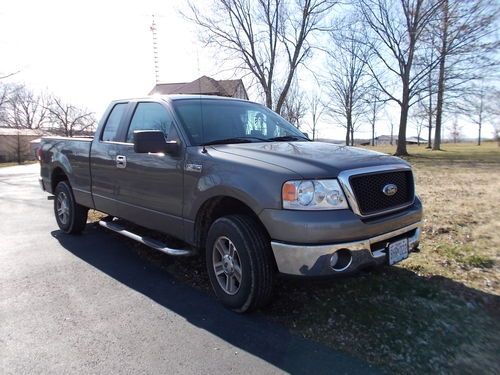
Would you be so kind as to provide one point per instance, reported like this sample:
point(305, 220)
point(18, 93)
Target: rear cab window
point(112, 125)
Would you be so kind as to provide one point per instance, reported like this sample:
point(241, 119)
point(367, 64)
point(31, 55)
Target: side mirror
point(153, 141)
point(306, 134)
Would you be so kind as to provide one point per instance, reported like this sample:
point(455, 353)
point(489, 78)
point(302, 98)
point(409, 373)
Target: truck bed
point(73, 155)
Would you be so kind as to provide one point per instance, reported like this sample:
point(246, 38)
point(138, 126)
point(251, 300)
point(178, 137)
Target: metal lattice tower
point(155, 50)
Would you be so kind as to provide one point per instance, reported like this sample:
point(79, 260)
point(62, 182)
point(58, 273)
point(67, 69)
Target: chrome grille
point(365, 189)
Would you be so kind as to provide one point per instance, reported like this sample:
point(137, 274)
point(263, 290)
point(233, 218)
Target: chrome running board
point(155, 244)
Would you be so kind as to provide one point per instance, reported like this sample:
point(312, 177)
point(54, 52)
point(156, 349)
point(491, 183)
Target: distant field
point(488, 152)
point(437, 312)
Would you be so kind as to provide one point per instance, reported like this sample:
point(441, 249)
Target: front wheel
point(70, 216)
point(239, 263)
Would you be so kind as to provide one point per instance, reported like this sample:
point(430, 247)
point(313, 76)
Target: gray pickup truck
point(232, 180)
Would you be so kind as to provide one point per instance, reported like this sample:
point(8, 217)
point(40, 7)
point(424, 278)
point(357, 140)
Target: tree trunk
point(18, 147)
point(439, 106)
point(352, 135)
point(441, 80)
point(348, 130)
point(429, 141)
point(269, 100)
point(480, 122)
point(403, 120)
point(373, 129)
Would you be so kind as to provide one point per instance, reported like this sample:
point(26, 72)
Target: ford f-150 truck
point(233, 181)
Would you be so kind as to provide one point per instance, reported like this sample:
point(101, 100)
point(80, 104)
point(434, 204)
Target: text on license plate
point(398, 251)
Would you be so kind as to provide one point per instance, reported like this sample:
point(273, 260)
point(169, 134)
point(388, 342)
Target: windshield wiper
point(235, 140)
point(288, 138)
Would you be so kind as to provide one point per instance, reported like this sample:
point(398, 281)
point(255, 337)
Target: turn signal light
point(289, 192)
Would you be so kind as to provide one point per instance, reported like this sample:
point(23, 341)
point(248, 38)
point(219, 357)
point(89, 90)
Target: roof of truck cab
point(174, 97)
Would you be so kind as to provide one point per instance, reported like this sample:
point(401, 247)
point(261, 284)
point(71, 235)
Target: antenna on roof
point(155, 50)
point(204, 150)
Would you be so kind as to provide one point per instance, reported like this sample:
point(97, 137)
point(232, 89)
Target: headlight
point(313, 195)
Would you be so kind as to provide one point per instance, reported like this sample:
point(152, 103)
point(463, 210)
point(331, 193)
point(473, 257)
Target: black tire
point(75, 217)
point(252, 252)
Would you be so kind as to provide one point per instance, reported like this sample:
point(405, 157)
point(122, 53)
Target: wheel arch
point(216, 207)
point(58, 174)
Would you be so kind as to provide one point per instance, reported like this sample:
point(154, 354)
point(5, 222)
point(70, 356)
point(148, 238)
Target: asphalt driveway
point(89, 304)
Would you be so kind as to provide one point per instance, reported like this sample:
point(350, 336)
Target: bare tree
point(391, 128)
point(466, 33)
point(420, 117)
point(25, 109)
point(70, 120)
point(426, 102)
point(375, 104)
point(5, 94)
point(479, 105)
point(8, 75)
point(267, 39)
point(455, 131)
point(429, 108)
point(347, 84)
point(494, 109)
point(294, 107)
point(317, 110)
point(21, 109)
point(397, 27)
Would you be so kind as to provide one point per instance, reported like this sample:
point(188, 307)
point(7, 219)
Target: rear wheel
point(70, 216)
point(239, 263)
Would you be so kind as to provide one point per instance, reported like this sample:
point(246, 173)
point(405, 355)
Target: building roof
point(415, 139)
point(386, 137)
point(230, 85)
point(203, 85)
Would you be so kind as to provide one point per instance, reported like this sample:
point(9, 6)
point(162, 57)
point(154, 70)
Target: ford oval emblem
point(390, 189)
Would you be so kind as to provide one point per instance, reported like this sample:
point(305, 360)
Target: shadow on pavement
point(251, 333)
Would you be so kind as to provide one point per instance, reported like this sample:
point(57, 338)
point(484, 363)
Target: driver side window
point(149, 116)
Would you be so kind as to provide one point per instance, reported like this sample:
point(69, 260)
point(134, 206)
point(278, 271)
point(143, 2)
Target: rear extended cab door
point(103, 154)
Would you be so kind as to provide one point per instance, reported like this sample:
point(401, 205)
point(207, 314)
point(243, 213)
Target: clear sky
point(91, 52)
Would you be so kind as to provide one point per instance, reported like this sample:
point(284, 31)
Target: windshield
point(231, 121)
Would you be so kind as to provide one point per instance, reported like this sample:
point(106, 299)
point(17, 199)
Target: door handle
point(121, 161)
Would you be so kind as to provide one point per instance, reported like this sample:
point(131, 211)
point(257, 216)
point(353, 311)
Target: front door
point(150, 186)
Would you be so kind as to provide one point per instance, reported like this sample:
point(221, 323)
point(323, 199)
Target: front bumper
point(314, 260)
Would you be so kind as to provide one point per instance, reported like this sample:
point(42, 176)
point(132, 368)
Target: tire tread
point(262, 262)
point(78, 217)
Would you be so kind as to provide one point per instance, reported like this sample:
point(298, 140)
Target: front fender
point(255, 183)
point(232, 186)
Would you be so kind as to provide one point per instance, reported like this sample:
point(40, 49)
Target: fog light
point(341, 260)
point(334, 259)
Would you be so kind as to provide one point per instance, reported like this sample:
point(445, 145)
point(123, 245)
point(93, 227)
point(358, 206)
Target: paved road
point(89, 304)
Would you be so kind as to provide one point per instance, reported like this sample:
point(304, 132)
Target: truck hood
point(310, 159)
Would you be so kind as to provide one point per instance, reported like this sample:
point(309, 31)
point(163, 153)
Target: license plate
point(398, 251)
